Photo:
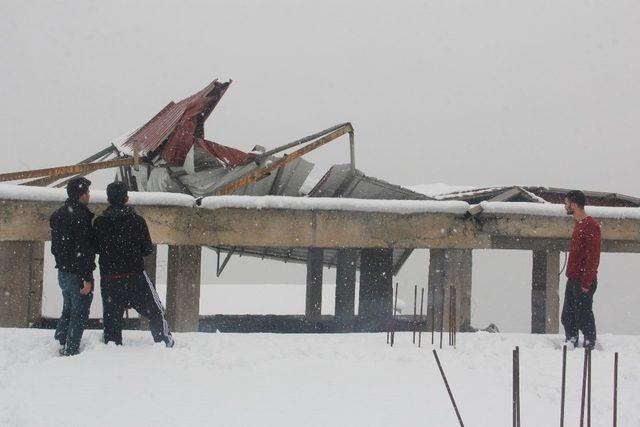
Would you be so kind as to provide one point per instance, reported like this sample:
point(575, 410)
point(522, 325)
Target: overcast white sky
point(461, 92)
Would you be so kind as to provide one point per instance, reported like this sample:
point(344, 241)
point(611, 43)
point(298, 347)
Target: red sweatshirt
point(584, 252)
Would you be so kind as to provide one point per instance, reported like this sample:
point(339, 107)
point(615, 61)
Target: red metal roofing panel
point(178, 124)
point(227, 155)
point(156, 130)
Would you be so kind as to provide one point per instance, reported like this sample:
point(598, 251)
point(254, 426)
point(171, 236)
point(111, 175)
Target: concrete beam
point(553, 227)
point(240, 227)
point(313, 299)
point(545, 298)
point(345, 288)
point(449, 268)
point(183, 288)
point(21, 270)
point(376, 288)
point(537, 244)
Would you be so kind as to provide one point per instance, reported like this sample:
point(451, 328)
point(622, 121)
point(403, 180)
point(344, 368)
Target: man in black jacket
point(72, 245)
point(122, 240)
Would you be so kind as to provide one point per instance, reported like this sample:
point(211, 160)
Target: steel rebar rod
point(518, 385)
point(450, 323)
point(415, 311)
point(441, 316)
point(589, 389)
point(433, 313)
point(564, 384)
point(446, 383)
point(455, 316)
point(615, 389)
point(514, 396)
point(584, 387)
point(393, 316)
point(421, 318)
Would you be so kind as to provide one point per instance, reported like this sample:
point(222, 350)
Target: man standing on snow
point(72, 245)
point(122, 240)
point(582, 271)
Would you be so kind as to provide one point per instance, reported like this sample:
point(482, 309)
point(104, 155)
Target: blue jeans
point(75, 311)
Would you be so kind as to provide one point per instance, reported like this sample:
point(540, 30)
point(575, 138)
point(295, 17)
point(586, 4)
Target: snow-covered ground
point(303, 380)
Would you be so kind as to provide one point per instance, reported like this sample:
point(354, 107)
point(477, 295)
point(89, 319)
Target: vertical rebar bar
point(615, 389)
point(584, 387)
point(455, 315)
point(588, 388)
point(441, 315)
point(449, 318)
point(564, 384)
point(415, 311)
point(454, 322)
point(446, 383)
point(518, 385)
point(433, 313)
point(421, 318)
point(514, 396)
point(393, 317)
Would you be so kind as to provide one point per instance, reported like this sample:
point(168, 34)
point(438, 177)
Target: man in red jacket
point(582, 271)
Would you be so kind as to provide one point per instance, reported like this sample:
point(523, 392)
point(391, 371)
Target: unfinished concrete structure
point(370, 232)
point(170, 154)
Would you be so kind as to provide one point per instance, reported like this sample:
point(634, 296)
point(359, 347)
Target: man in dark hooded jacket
point(122, 240)
point(72, 245)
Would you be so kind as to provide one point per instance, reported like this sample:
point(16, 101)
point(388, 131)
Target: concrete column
point(345, 288)
point(376, 288)
point(545, 300)
point(447, 268)
point(183, 288)
point(150, 266)
point(313, 300)
point(21, 273)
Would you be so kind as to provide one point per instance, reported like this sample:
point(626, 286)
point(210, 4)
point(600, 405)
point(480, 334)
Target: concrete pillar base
point(21, 274)
point(345, 288)
point(447, 268)
point(376, 288)
point(545, 298)
point(313, 300)
point(183, 288)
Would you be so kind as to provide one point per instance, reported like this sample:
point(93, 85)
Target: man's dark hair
point(76, 187)
point(117, 193)
point(577, 197)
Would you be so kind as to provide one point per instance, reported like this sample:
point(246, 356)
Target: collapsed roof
point(180, 159)
point(176, 157)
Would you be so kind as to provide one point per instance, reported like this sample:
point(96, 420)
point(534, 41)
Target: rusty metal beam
point(265, 170)
point(99, 156)
point(66, 170)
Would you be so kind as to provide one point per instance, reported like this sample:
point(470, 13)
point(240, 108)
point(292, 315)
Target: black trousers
point(137, 292)
point(577, 311)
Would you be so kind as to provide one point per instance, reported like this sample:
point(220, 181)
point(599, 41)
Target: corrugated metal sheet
point(299, 255)
point(530, 193)
point(173, 131)
point(340, 181)
point(156, 130)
